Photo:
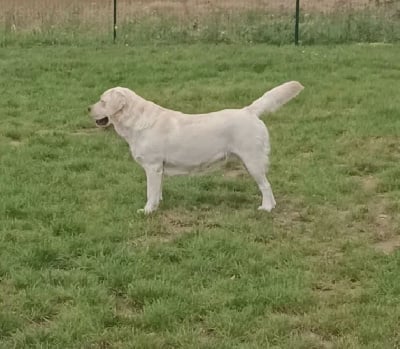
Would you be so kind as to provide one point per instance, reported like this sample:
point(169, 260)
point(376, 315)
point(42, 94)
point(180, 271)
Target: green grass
point(79, 268)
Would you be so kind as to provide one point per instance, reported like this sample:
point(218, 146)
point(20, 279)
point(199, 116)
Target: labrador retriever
point(168, 142)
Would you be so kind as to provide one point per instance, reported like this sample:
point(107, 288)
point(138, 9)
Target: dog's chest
point(137, 155)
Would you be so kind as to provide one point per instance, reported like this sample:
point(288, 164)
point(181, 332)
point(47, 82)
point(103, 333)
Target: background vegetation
point(188, 21)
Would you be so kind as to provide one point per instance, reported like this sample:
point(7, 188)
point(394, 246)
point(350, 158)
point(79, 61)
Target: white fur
point(169, 142)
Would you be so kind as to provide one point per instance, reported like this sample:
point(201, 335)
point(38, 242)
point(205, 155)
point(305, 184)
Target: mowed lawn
point(79, 268)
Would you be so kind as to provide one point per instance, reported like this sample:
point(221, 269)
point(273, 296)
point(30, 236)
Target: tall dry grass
point(206, 20)
point(34, 15)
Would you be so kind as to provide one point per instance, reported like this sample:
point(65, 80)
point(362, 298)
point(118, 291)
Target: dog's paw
point(266, 208)
point(146, 210)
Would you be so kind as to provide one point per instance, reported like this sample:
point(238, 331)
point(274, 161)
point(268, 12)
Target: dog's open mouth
point(102, 122)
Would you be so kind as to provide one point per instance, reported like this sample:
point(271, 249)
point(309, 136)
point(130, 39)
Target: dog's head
point(109, 107)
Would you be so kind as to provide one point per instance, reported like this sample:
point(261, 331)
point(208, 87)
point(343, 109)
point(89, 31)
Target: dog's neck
point(138, 115)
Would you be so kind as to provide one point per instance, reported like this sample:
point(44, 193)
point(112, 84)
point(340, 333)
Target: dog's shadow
point(211, 191)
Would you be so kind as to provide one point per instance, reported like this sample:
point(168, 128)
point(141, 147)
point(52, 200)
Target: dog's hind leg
point(268, 200)
point(257, 171)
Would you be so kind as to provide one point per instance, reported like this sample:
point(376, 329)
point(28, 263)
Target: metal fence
point(143, 21)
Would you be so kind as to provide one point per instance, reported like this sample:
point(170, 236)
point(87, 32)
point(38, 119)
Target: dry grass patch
point(369, 184)
point(388, 246)
point(59, 19)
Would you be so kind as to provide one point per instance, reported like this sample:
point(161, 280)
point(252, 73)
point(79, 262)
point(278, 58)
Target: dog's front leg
point(154, 176)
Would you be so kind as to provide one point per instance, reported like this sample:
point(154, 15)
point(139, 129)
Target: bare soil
point(388, 246)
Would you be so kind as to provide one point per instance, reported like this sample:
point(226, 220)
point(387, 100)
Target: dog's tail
point(275, 98)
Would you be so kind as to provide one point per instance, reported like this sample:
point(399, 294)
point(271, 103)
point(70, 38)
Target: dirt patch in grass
point(15, 143)
point(165, 226)
point(382, 220)
point(178, 223)
point(290, 212)
point(384, 225)
point(369, 184)
point(318, 340)
point(388, 246)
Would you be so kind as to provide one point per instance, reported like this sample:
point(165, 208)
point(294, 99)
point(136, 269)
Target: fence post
point(296, 27)
point(115, 20)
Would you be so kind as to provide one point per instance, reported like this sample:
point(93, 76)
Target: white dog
point(169, 142)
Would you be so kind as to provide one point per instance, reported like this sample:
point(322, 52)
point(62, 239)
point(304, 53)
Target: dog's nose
point(89, 109)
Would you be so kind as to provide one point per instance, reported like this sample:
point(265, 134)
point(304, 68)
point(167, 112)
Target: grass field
point(79, 268)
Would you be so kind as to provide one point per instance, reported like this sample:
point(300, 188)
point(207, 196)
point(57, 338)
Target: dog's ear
point(117, 101)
